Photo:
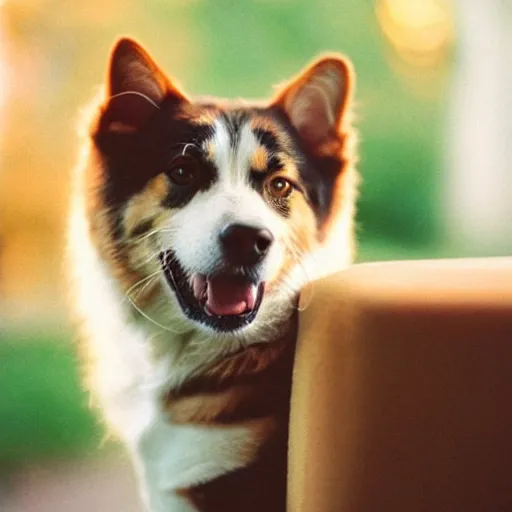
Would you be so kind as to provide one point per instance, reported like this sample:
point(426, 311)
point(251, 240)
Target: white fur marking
point(247, 145)
point(222, 145)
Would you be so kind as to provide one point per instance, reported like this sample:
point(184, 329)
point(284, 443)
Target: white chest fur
point(129, 382)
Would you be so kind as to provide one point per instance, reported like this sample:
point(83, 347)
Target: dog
point(194, 226)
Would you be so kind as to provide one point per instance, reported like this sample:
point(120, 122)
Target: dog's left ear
point(136, 87)
point(316, 100)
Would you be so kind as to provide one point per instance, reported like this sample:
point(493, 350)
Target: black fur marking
point(268, 140)
point(258, 176)
point(257, 179)
point(274, 164)
point(130, 160)
point(180, 196)
point(235, 121)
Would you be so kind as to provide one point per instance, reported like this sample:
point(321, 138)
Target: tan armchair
point(402, 395)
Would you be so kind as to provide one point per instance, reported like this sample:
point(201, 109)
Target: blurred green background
point(54, 53)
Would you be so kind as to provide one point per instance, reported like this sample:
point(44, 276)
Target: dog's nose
point(245, 245)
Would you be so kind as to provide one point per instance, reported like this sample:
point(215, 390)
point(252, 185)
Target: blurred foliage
point(43, 409)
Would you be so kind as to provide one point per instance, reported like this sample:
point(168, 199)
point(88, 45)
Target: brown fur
point(251, 388)
point(260, 159)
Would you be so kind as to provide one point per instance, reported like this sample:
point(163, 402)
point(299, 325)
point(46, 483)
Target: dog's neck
point(205, 355)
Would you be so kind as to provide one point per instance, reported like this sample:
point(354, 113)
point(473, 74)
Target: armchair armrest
point(402, 390)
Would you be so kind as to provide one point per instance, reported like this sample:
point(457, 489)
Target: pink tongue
point(225, 295)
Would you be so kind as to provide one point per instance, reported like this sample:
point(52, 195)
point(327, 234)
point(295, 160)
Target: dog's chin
point(224, 301)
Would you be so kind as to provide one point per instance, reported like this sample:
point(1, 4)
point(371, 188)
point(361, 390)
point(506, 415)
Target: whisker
point(145, 287)
point(186, 146)
point(304, 303)
point(307, 284)
point(152, 320)
point(142, 281)
point(146, 281)
point(145, 236)
point(136, 93)
point(153, 256)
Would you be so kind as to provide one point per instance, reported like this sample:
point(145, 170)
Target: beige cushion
point(402, 394)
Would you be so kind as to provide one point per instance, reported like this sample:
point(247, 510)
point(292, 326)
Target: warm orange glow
point(420, 31)
point(4, 79)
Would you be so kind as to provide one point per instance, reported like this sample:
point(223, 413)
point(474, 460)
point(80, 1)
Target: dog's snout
point(245, 245)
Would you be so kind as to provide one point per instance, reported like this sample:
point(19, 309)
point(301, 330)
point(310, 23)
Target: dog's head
point(218, 210)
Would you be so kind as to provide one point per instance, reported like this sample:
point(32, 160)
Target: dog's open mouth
point(223, 301)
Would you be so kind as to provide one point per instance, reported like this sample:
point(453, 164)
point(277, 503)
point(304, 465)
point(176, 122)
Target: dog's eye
point(183, 173)
point(280, 187)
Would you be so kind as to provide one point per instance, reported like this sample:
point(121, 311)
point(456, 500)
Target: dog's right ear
point(316, 100)
point(136, 87)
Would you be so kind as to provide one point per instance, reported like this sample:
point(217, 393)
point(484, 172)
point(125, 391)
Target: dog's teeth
point(251, 297)
point(198, 283)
